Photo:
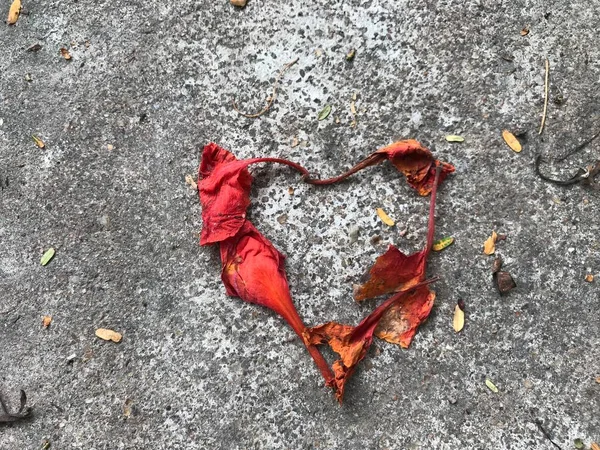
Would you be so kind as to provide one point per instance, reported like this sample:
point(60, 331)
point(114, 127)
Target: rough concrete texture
point(124, 121)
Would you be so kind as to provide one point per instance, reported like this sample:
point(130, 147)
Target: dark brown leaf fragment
point(504, 282)
point(497, 265)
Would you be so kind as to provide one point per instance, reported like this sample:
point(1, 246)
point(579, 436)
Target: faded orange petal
point(400, 322)
point(391, 271)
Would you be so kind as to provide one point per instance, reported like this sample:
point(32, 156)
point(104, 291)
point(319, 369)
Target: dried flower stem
point(271, 98)
point(545, 97)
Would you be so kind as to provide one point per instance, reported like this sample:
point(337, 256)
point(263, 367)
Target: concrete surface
point(155, 80)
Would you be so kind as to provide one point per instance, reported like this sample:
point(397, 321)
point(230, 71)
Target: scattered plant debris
point(324, 112)
point(22, 413)
point(489, 246)
point(511, 141)
point(459, 316)
point(271, 98)
point(546, 84)
point(37, 141)
point(189, 180)
point(47, 256)
point(14, 12)
point(46, 321)
point(524, 31)
point(239, 3)
point(109, 335)
point(350, 55)
point(585, 177)
point(441, 244)
point(492, 387)
point(589, 277)
point(455, 138)
point(385, 218)
point(65, 53)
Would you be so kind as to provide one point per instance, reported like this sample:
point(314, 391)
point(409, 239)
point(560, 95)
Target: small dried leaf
point(489, 246)
point(325, 112)
point(127, 408)
point(511, 140)
point(441, 244)
point(385, 218)
point(295, 142)
point(598, 380)
point(291, 190)
point(455, 138)
point(189, 180)
point(38, 141)
point(594, 446)
point(46, 321)
point(35, 48)
point(108, 335)
point(240, 3)
point(65, 53)
point(13, 12)
point(47, 256)
point(497, 264)
point(504, 282)
point(353, 108)
point(351, 54)
point(491, 385)
point(525, 31)
point(459, 319)
point(45, 444)
point(589, 278)
point(578, 443)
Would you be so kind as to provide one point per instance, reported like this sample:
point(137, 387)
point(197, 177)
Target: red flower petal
point(253, 269)
point(391, 271)
point(352, 343)
point(224, 193)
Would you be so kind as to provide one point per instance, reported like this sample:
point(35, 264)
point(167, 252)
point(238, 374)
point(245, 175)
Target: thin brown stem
point(368, 161)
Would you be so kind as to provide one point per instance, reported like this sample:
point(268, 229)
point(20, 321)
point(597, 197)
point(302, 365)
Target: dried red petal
point(416, 163)
point(253, 269)
point(391, 271)
point(224, 187)
point(352, 343)
point(400, 322)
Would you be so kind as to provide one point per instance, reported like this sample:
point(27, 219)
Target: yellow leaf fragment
point(459, 319)
point(589, 278)
point(353, 108)
point(189, 180)
point(525, 31)
point(455, 138)
point(46, 321)
point(512, 141)
point(385, 218)
point(65, 53)
point(595, 446)
point(441, 244)
point(13, 12)
point(491, 385)
point(295, 142)
point(37, 141)
point(240, 3)
point(489, 246)
point(108, 335)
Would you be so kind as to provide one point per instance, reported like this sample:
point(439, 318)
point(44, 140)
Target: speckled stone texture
point(124, 121)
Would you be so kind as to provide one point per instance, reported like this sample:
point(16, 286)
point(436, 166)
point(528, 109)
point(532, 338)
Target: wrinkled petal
point(400, 322)
point(253, 270)
point(416, 163)
point(391, 271)
point(224, 187)
point(352, 343)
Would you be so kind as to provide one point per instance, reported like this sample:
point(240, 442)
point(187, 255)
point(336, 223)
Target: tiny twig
point(573, 180)
point(545, 97)
point(579, 147)
point(546, 434)
point(271, 98)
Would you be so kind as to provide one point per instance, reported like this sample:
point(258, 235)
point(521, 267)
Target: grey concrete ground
point(124, 121)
